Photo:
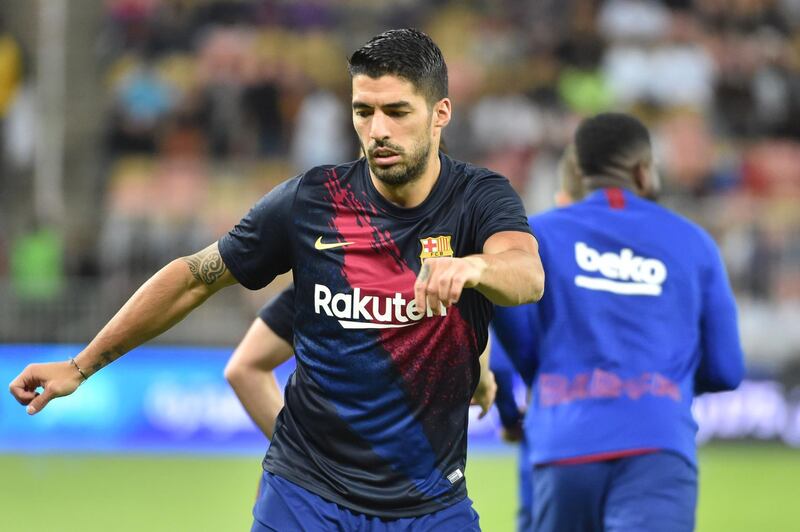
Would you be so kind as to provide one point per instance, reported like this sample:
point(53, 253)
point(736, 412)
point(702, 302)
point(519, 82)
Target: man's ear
point(647, 180)
point(442, 111)
point(641, 178)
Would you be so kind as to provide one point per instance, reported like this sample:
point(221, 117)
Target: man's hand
point(441, 281)
point(57, 378)
point(512, 434)
point(485, 393)
point(508, 272)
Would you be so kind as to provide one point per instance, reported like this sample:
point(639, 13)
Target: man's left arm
point(507, 408)
point(508, 272)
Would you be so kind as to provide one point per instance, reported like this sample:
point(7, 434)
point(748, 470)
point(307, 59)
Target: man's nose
point(379, 127)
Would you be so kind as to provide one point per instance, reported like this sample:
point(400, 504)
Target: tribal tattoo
point(206, 266)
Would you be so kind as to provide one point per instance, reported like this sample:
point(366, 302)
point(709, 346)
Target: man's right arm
point(721, 366)
point(160, 303)
point(250, 250)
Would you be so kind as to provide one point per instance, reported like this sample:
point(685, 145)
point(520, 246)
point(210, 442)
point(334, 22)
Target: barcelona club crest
point(435, 246)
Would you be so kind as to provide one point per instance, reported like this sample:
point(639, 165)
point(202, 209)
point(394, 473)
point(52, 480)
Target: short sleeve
point(278, 315)
point(494, 207)
point(260, 246)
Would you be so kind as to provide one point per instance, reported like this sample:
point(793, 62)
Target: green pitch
point(743, 488)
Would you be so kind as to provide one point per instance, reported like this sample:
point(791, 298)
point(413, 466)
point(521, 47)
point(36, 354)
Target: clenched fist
point(441, 281)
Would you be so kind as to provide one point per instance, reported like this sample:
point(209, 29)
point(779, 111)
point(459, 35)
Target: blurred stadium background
point(135, 131)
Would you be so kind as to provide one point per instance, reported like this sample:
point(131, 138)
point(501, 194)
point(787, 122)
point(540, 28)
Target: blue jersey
point(375, 414)
point(637, 307)
point(504, 376)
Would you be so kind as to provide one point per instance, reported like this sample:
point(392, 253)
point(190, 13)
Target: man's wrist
point(78, 368)
point(480, 264)
point(93, 362)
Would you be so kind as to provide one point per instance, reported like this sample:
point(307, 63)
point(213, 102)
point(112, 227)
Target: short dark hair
point(406, 53)
point(605, 141)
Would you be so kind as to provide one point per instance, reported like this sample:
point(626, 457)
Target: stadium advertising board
point(175, 399)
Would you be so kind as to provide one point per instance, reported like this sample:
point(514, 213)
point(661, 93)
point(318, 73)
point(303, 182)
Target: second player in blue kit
point(638, 318)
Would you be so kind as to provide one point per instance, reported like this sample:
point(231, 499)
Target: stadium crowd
point(209, 104)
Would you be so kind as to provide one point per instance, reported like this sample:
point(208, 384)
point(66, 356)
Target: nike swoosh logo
point(319, 244)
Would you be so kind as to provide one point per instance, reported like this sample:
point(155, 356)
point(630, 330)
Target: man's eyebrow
point(393, 105)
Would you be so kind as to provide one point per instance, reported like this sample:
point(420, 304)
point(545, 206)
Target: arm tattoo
point(424, 272)
point(107, 357)
point(206, 266)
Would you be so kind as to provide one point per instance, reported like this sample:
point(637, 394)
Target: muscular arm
point(511, 271)
point(250, 374)
point(160, 303)
point(508, 272)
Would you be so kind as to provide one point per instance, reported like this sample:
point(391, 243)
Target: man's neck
point(597, 182)
point(413, 193)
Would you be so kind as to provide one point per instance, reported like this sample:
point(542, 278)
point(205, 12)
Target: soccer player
point(570, 190)
point(637, 311)
point(397, 259)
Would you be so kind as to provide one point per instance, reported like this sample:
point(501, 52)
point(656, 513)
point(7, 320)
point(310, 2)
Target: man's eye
point(363, 114)
point(397, 114)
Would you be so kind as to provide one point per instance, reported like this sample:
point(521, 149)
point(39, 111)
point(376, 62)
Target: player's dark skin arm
point(159, 304)
point(250, 372)
point(508, 272)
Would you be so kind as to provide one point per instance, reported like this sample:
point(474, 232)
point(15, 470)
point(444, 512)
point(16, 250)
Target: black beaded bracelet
point(72, 361)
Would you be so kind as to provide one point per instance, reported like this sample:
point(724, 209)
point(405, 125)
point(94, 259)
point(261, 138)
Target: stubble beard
point(405, 171)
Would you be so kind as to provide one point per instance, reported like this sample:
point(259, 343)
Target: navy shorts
point(286, 507)
point(654, 492)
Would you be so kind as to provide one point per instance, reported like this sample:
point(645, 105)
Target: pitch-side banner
point(165, 399)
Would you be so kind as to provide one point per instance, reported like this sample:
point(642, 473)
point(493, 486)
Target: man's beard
point(406, 171)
